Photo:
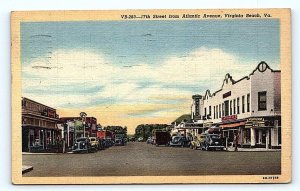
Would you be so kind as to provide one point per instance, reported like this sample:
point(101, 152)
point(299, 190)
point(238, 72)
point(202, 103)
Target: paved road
point(140, 159)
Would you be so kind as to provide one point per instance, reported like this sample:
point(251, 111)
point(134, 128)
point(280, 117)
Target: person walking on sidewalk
point(236, 140)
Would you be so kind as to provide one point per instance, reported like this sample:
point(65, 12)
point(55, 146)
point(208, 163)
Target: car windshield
point(93, 139)
point(215, 137)
point(81, 139)
point(175, 139)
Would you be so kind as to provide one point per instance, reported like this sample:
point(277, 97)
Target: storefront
point(265, 131)
point(39, 127)
point(39, 139)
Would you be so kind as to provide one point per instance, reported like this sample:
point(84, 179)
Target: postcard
point(151, 96)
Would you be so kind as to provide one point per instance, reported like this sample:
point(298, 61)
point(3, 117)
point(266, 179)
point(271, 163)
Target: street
point(141, 159)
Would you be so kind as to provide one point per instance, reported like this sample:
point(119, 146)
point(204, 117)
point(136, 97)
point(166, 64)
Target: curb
point(25, 153)
point(26, 169)
point(254, 150)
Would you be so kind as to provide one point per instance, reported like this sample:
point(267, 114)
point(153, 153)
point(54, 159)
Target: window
point(238, 105)
point(205, 112)
point(262, 101)
point(220, 110)
point(209, 111)
point(230, 107)
point(248, 102)
point(214, 112)
point(217, 111)
point(243, 104)
point(223, 109)
point(234, 106)
point(226, 108)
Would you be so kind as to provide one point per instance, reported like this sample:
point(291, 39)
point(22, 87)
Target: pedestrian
point(236, 138)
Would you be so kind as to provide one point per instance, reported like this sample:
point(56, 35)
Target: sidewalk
point(231, 149)
point(27, 153)
point(26, 169)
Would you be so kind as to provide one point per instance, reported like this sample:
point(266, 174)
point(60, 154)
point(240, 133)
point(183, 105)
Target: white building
point(250, 106)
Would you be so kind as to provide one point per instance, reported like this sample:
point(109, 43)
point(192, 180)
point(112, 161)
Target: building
point(39, 130)
point(73, 127)
point(249, 107)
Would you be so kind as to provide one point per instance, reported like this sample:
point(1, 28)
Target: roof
point(228, 77)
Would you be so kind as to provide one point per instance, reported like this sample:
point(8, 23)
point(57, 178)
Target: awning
point(231, 125)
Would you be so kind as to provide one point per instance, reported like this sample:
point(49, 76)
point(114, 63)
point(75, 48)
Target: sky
point(135, 72)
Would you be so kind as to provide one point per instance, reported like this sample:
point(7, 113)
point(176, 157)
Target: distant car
point(180, 141)
point(149, 140)
point(82, 145)
point(213, 142)
point(119, 142)
point(140, 139)
point(131, 139)
point(94, 143)
point(101, 144)
point(109, 142)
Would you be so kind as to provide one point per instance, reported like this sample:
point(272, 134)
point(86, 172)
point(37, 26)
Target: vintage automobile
point(82, 145)
point(108, 142)
point(119, 142)
point(140, 139)
point(149, 140)
point(197, 142)
point(213, 142)
point(180, 141)
point(101, 144)
point(94, 143)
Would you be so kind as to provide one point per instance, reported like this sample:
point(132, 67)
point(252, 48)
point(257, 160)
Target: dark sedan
point(82, 145)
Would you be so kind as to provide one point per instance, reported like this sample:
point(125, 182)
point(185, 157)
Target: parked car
point(140, 139)
point(149, 140)
point(94, 143)
point(213, 142)
point(109, 142)
point(197, 142)
point(101, 144)
point(131, 139)
point(82, 145)
point(119, 142)
point(180, 141)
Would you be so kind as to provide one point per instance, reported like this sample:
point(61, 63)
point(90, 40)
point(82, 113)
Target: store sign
point(229, 118)
point(255, 122)
point(256, 119)
point(227, 94)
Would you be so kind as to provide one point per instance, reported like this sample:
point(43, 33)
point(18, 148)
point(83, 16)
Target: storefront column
point(253, 137)
point(259, 136)
point(241, 136)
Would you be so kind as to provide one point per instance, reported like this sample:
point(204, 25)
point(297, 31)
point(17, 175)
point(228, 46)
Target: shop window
point(262, 101)
point(243, 104)
point(248, 102)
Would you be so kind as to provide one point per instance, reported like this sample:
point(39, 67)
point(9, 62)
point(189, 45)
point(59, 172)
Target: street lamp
point(83, 115)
